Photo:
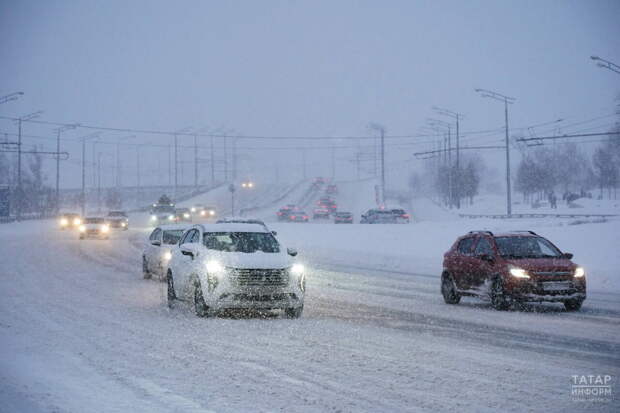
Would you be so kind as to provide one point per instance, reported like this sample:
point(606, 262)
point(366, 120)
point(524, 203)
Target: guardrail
point(567, 215)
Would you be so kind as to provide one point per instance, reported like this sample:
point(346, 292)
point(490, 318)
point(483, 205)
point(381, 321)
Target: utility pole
point(98, 182)
point(234, 159)
point(83, 195)
point(383, 166)
point(303, 161)
point(212, 163)
point(507, 100)
point(195, 163)
point(225, 158)
point(446, 125)
point(58, 132)
point(456, 116)
point(333, 157)
point(20, 195)
point(138, 189)
point(176, 168)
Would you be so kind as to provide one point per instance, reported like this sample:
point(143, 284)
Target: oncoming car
point(69, 220)
point(235, 266)
point(94, 227)
point(182, 215)
point(510, 268)
point(157, 252)
point(118, 219)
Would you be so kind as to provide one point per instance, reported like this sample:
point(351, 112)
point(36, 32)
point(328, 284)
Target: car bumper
point(536, 291)
point(225, 295)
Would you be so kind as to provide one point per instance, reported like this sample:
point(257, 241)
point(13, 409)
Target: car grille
point(553, 275)
point(259, 277)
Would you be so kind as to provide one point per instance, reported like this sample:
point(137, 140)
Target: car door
point(461, 264)
point(190, 252)
point(152, 250)
point(483, 267)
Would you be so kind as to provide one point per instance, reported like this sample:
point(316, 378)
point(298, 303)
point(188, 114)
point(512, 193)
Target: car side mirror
point(567, 255)
point(274, 233)
point(187, 251)
point(292, 252)
point(487, 258)
point(156, 242)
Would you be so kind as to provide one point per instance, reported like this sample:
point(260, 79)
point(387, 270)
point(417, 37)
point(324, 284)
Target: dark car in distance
point(343, 218)
point(511, 268)
point(118, 219)
point(298, 216)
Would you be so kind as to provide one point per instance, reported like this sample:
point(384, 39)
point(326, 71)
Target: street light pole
point(19, 160)
point(507, 100)
point(448, 154)
point(83, 195)
point(58, 132)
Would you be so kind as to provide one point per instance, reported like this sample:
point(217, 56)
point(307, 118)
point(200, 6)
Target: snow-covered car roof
point(226, 227)
point(173, 227)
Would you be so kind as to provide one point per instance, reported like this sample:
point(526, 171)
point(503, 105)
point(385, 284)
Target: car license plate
point(557, 285)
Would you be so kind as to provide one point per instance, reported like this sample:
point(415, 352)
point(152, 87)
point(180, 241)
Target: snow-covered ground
point(81, 331)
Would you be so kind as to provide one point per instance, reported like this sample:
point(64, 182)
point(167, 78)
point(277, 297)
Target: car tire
point(145, 269)
point(499, 300)
point(573, 305)
point(294, 312)
point(171, 295)
point(201, 309)
point(448, 290)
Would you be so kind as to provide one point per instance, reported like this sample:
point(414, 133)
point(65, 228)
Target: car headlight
point(171, 218)
point(105, 228)
point(167, 256)
point(77, 222)
point(519, 272)
point(64, 222)
point(193, 209)
point(153, 218)
point(82, 228)
point(203, 213)
point(579, 272)
point(214, 267)
point(211, 212)
point(123, 224)
point(185, 215)
point(297, 269)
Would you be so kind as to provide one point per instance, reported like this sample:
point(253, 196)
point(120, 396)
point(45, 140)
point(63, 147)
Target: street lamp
point(58, 132)
point(19, 158)
point(507, 100)
point(606, 64)
point(10, 97)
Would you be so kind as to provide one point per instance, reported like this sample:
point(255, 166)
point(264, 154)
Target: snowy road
point(80, 331)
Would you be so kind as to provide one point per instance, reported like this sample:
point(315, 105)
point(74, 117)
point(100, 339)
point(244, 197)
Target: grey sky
point(304, 67)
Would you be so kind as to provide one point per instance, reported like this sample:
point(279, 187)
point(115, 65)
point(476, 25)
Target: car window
point(465, 245)
point(185, 238)
point(155, 234)
point(247, 242)
point(526, 247)
point(483, 247)
point(171, 237)
point(195, 237)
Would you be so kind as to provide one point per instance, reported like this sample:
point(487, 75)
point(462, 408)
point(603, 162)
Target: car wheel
point(448, 290)
point(499, 300)
point(293, 312)
point(145, 269)
point(200, 306)
point(573, 305)
point(171, 296)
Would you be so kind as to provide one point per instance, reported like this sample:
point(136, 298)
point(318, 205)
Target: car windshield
point(526, 247)
point(248, 242)
point(171, 237)
point(343, 214)
point(94, 221)
point(117, 214)
point(398, 211)
point(163, 209)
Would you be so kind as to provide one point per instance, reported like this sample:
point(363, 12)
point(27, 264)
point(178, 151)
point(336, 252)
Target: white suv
point(235, 266)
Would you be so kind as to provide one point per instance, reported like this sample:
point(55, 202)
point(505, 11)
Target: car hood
point(251, 260)
point(543, 264)
point(93, 226)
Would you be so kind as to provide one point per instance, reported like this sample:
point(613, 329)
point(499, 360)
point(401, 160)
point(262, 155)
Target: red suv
point(511, 268)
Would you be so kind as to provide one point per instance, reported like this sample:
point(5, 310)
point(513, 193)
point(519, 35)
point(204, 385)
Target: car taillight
point(405, 215)
point(305, 216)
point(292, 216)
